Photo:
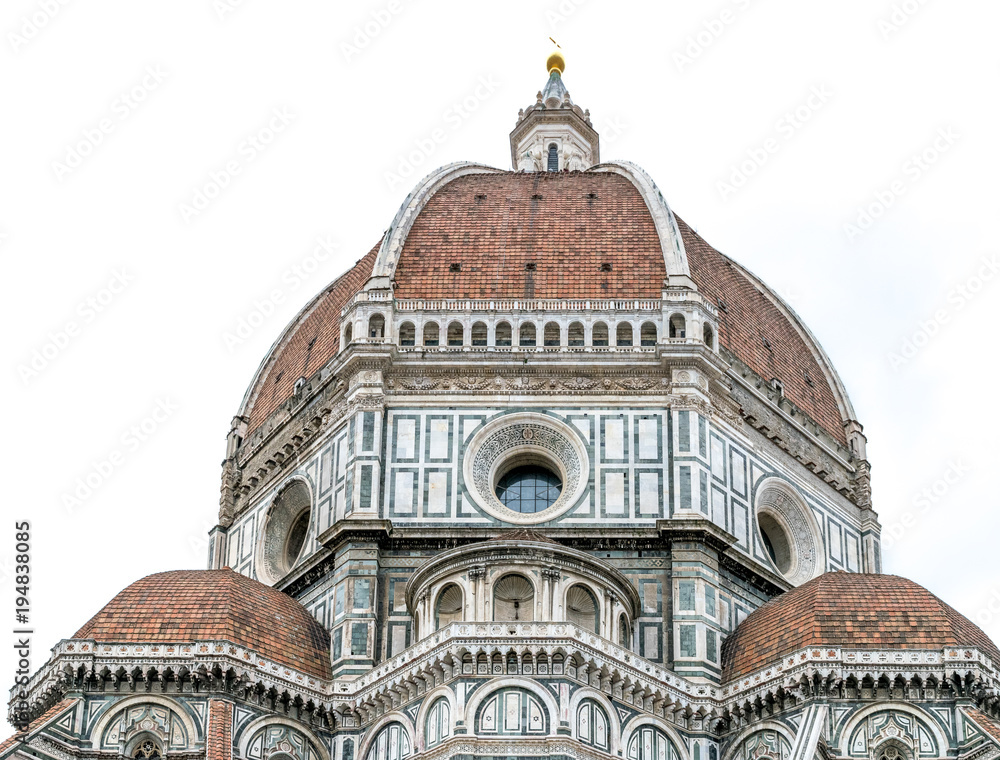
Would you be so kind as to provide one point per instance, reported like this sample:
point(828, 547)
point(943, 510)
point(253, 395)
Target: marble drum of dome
point(527, 453)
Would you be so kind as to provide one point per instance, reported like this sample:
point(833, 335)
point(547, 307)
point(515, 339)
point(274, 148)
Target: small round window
point(529, 489)
point(296, 538)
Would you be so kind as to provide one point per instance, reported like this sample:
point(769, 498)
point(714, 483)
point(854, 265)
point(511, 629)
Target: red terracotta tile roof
point(990, 726)
point(198, 605)
point(493, 225)
point(749, 318)
point(8, 746)
point(311, 343)
point(567, 225)
point(852, 610)
point(219, 735)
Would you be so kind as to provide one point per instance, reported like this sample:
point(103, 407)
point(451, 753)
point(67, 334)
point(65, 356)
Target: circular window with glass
point(529, 488)
point(788, 534)
point(285, 532)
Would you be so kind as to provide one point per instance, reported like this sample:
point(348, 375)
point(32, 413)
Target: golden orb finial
point(556, 62)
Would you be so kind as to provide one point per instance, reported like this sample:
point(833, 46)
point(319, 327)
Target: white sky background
point(356, 117)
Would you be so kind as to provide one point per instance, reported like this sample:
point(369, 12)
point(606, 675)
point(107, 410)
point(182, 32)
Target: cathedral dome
point(214, 605)
point(837, 609)
point(487, 235)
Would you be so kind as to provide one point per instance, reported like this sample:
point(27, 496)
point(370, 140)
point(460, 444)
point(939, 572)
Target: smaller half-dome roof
point(199, 605)
point(864, 611)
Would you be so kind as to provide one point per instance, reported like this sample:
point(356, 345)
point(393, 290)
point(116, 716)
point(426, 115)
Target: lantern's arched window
point(576, 335)
point(503, 334)
point(623, 335)
point(479, 334)
point(431, 334)
point(647, 334)
point(376, 327)
point(456, 334)
point(600, 335)
point(407, 334)
point(552, 334)
point(553, 163)
point(678, 327)
point(348, 334)
point(527, 337)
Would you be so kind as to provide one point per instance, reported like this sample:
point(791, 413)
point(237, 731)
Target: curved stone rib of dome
point(323, 310)
point(181, 606)
point(674, 255)
point(751, 316)
point(832, 377)
point(852, 610)
point(395, 238)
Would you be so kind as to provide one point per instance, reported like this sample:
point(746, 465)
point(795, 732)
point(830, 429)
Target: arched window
point(576, 334)
point(503, 334)
point(552, 334)
point(624, 633)
point(431, 334)
point(527, 336)
point(147, 749)
point(600, 335)
point(479, 334)
point(376, 327)
point(513, 599)
point(438, 723)
point(581, 608)
point(592, 725)
point(456, 334)
point(348, 334)
point(708, 335)
point(553, 163)
point(449, 606)
point(647, 334)
point(391, 743)
point(407, 334)
point(623, 335)
point(651, 743)
point(512, 712)
point(678, 328)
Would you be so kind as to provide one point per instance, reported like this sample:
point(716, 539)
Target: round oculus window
point(529, 489)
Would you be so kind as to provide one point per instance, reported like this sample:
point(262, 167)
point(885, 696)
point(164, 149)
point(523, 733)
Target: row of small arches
point(520, 712)
point(514, 601)
point(529, 335)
